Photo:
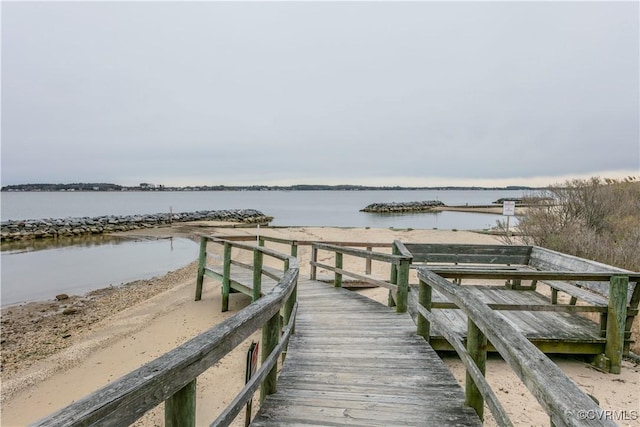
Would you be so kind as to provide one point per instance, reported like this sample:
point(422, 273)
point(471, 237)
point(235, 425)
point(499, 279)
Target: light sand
point(126, 339)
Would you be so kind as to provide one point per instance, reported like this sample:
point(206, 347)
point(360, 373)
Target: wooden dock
point(353, 361)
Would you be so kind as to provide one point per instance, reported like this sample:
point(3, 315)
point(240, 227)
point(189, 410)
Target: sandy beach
point(50, 359)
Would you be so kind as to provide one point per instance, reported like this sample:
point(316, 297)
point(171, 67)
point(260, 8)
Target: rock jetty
point(76, 226)
point(393, 207)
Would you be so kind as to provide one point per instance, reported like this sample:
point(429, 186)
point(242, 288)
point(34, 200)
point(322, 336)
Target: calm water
point(319, 208)
point(75, 270)
point(36, 274)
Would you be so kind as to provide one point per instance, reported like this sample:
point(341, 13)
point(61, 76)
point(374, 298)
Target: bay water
point(28, 274)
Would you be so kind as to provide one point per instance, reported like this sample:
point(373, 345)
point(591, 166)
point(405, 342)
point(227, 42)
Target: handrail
point(246, 394)
point(171, 377)
point(301, 242)
point(398, 284)
point(256, 267)
point(479, 273)
point(378, 256)
point(559, 396)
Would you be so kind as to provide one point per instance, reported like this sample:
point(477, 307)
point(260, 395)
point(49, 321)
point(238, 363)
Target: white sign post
point(508, 210)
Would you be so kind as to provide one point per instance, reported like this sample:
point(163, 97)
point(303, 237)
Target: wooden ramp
point(353, 361)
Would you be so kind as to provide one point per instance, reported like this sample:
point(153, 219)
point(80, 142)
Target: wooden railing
point(399, 259)
point(171, 378)
point(558, 395)
point(257, 267)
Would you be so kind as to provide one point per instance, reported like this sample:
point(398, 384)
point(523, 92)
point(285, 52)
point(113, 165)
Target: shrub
point(594, 219)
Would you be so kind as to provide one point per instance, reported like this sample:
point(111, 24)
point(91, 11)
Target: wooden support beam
point(270, 339)
point(257, 275)
point(202, 261)
point(337, 280)
point(287, 312)
point(393, 279)
point(477, 349)
point(403, 287)
point(314, 259)
point(180, 409)
point(424, 299)
point(226, 276)
point(616, 321)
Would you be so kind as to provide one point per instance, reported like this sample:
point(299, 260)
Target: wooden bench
point(469, 256)
point(438, 253)
point(596, 293)
point(611, 292)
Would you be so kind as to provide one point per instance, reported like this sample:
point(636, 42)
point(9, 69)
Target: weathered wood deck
point(353, 361)
point(551, 332)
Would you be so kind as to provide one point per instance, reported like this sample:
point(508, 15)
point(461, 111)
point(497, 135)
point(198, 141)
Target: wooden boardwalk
point(353, 361)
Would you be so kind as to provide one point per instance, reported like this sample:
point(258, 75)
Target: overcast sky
point(383, 93)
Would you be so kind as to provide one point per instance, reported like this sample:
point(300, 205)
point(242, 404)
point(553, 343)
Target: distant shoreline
point(107, 187)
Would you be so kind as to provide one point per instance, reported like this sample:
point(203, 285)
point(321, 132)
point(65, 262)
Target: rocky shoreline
point(13, 230)
point(424, 206)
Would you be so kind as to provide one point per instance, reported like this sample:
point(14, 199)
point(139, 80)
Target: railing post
point(257, 275)
point(337, 279)
point(394, 276)
point(314, 259)
point(260, 241)
point(477, 349)
point(226, 276)
point(294, 249)
point(403, 286)
point(616, 321)
point(288, 309)
point(424, 299)
point(367, 267)
point(180, 409)
point(270, 339)
point(202, 261)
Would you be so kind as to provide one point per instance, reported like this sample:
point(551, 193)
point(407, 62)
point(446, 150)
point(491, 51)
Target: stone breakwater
point(68, 227)
point(393, 207)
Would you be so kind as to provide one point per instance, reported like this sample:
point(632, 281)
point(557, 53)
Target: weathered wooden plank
point(495, 259)
point(367, 417)
point(354, 361)
point(378, 256)
point(180, 409)
point(616, 317)
point(402, 250)
point(452, 393)
point(461, 253)
point(555, 392)
point(454, 248)
point(546, 259)
point(522, 274)
point(126, 399)
point(573, 290)
point(357, 276)
point(477, 350)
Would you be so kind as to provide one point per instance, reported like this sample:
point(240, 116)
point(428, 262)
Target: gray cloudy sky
point(385, 93)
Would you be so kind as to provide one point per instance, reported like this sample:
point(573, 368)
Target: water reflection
point(43, 244)
point(41, 274)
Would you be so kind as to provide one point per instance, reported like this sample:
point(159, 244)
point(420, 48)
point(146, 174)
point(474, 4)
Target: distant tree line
point(298, 187)
point(64, 187)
